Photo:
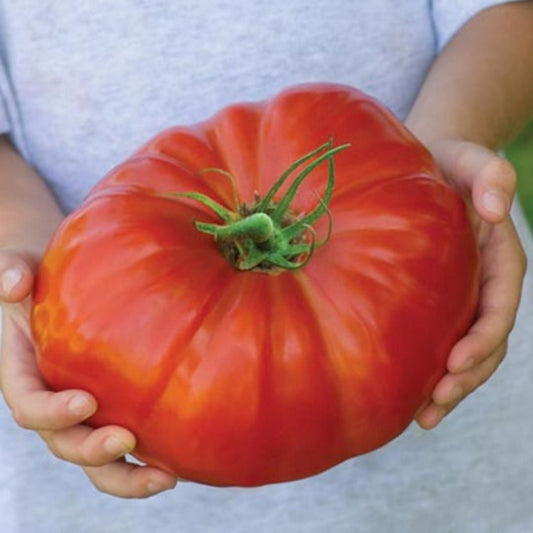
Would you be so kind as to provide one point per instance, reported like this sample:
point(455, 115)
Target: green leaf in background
point(520, 154)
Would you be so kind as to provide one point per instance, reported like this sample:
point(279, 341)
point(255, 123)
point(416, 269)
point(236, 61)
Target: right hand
point(58, 416)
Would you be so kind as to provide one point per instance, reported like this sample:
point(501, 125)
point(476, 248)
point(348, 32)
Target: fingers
point(58, 415)
point(16, 277)
point(494, 189)
point(127, 480)
point(503, 270)
point(453, 388)
point(101, 452)
point(482, 174)
point(85, 446)
point(45, 410)
point(476, 356)
point(491, 329)
point(32, 404)
point(490, 182)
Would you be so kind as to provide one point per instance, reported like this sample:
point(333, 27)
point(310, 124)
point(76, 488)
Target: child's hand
point(489, 181)
point(58, 416)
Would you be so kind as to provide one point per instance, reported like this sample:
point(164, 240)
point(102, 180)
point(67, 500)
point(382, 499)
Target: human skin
point(468, 108)
point(475, 99)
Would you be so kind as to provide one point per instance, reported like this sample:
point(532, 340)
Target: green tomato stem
point(258, 227)
point(266, 237)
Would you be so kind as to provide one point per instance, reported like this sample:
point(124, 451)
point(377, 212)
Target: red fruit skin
point(244, 378)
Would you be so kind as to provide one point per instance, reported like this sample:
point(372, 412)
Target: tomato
point(255, 355)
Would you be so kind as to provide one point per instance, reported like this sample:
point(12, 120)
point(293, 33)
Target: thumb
point(488, 177)
point(16, 277)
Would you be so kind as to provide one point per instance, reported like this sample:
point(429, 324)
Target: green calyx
point(266, 236)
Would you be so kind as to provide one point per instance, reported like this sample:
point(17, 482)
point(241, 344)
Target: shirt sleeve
point(450, 15)
point(5, 100)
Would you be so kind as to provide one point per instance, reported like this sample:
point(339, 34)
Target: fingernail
point(465, 365)
point(80, 406)
point(495, 202)
point(155, 485)
point(10, 278)
point(115, 446)
point(439, 415)
point(456, 393)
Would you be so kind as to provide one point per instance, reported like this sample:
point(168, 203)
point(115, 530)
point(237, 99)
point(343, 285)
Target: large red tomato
point(245, 353)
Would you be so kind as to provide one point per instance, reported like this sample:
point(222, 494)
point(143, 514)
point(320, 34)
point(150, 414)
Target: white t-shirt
point(83, 84)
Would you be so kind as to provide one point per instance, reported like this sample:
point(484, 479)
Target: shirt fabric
point(83, 84)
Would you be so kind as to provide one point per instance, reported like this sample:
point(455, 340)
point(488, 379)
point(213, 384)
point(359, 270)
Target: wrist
point(29, 213)
point(434, 132)
point(28, 235)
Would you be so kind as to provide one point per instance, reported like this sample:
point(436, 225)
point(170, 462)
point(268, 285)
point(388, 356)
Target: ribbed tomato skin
point(244, 378)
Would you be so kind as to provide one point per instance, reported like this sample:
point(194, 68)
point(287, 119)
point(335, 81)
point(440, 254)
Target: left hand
point(58, 417)
point(487, 181)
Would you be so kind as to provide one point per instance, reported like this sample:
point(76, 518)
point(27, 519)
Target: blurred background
point(520, 153)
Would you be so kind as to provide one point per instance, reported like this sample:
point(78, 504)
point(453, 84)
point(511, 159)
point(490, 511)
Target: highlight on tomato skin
point(263, 295)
